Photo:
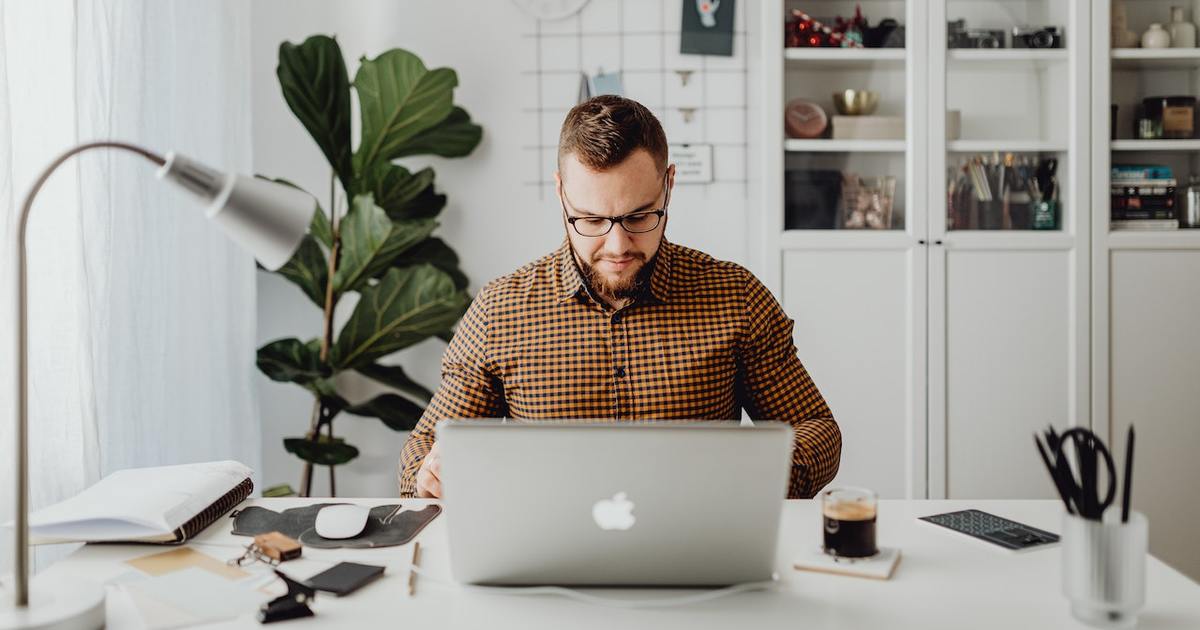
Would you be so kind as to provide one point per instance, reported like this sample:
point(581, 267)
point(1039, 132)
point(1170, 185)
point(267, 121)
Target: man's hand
point(429, 482)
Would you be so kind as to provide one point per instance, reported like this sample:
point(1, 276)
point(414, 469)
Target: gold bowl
point(856, 102)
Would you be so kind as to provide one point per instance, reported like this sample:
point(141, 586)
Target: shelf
point(1008, 55)
point(843, 146)
point(1155, 58)
point(1005, 146)
point(838, 58)
point(1155, 145)
point(1154, 239)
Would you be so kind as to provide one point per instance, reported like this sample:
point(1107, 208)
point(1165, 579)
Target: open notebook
point(165, 504)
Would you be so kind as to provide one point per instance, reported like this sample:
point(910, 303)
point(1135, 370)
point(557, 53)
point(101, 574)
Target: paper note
point(191, 596)
point(185, 558)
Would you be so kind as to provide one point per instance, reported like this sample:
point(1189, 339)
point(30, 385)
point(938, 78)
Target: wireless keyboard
point(994, 529)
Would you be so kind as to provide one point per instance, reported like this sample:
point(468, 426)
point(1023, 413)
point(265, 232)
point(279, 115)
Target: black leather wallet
point(344, 578)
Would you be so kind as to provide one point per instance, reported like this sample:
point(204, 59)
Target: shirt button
point(616, 318)
point(620, 372)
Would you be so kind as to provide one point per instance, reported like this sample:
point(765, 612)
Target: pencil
point(412, 569)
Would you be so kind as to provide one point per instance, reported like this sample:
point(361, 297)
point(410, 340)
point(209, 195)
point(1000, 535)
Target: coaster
point(878, 567)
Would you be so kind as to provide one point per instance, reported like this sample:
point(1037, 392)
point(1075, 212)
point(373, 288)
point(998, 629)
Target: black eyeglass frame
point(659, 212)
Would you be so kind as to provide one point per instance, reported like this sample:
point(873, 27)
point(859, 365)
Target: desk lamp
point(265, 218)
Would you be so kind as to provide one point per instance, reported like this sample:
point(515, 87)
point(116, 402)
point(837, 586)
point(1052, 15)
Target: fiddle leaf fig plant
point(408, 282)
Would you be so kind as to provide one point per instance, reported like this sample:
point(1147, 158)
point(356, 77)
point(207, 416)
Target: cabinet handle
point(938, 242)
point(921, 242)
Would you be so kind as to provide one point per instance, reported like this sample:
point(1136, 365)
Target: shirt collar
point(570, 282)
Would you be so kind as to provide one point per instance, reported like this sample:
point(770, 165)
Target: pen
point(1127, 490)
point(412, 569)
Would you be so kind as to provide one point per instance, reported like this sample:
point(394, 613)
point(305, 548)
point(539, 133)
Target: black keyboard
point(994, 529)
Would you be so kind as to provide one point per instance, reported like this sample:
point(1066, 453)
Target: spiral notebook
point(163, 505)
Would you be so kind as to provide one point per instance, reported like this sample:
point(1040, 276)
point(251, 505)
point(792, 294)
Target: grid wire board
point(640, 40)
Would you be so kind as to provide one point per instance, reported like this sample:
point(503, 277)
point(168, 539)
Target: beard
point(625, 287)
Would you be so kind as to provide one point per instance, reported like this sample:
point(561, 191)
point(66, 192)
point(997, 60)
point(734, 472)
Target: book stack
point(1143, 198)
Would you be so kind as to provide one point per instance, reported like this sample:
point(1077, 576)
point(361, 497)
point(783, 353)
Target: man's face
point(613, 262)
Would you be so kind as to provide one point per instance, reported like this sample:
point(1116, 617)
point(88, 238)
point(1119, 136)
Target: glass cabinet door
point(1008, 106)
point(847, 72)
point(1155, 147)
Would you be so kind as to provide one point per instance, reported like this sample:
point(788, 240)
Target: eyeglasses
point(634, 222)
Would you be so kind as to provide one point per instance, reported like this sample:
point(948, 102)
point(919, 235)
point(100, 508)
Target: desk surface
point(944, 580)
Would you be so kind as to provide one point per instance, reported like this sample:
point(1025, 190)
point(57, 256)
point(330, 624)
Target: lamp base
point(55, 603)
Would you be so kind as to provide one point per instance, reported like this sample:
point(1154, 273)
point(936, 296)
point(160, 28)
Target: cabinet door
point(1008, 261)
point(860, 331)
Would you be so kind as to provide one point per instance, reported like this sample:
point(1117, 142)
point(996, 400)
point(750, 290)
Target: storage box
point(868, 127)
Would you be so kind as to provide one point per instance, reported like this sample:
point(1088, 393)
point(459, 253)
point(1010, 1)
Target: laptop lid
point(664, 503)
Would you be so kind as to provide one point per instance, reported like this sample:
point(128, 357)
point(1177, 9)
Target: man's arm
point(469, 389)
point(777, 387)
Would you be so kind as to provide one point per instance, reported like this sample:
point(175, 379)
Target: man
point(620, 324)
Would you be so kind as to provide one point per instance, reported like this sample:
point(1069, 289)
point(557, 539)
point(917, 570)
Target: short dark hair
point(604, 130)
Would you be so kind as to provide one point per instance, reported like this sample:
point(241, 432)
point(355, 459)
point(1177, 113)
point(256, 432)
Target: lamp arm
point(21, 522)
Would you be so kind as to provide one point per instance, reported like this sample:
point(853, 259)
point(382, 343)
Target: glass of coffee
point(848, 516)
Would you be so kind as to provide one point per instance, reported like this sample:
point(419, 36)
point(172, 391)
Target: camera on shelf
point(959, 36)
point(1037, 37)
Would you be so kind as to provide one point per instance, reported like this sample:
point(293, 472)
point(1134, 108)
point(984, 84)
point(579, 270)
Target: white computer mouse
point(343, 520)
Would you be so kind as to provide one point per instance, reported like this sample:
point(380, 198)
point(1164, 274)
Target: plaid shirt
point(704, 341)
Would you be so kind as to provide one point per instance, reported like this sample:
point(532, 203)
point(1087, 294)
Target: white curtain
point(142, 314)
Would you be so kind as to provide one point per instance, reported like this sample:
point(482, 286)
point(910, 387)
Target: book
point(1145, 224)
point(1122, 172)
point(1132, 215)
point(164, 504)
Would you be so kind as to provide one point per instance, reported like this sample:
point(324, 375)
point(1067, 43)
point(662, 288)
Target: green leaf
point(320, 228)
point(394, 376)
point(455, 136)
point(400, 99)
point(427, 204)
point(308, 269)
point(291, 361)
point(371, 241)
point(280, 490)
point(316, 87)
point(436, 252)
point(393, 186)
point(397, 412)
point(322, 451)
point(407, 305)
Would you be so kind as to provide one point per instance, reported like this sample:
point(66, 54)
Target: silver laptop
point(613, 504)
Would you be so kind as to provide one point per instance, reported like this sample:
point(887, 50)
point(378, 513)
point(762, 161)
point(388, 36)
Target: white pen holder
point(1104, 569)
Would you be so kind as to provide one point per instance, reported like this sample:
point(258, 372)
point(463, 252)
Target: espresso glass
point(848, 521)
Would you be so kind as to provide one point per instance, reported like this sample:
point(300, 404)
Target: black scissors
point(1083, 489)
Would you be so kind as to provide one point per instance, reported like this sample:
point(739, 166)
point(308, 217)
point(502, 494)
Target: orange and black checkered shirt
point(705, 341)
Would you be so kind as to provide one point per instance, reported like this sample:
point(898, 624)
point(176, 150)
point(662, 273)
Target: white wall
point(494, 221)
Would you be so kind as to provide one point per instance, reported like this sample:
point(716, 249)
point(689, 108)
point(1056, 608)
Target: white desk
point(945, 580)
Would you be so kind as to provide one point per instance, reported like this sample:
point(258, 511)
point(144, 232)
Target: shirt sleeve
point(469, 389)
point(775, 386)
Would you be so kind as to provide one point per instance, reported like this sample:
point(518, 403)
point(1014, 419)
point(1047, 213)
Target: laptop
point(604, 504)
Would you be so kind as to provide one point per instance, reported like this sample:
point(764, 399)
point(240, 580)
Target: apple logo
point(614, 513)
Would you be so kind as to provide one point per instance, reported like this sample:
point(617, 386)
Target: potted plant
point(379, 245)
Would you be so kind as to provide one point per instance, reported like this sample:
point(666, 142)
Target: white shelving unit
point(1145, 289)
point(920, 336)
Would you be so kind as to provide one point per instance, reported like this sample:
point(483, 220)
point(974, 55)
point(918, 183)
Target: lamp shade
point(265, 218)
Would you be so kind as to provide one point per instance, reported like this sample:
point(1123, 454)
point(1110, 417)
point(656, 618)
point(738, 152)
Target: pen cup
point(1104, 569)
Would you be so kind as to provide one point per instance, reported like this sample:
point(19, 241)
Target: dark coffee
point(850, 530)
